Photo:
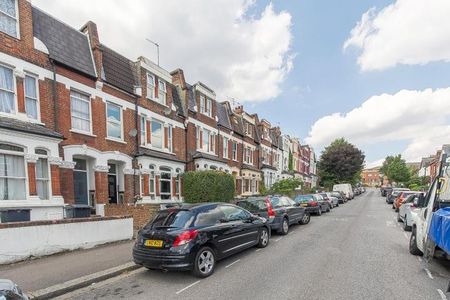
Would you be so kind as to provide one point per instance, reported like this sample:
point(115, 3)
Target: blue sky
point(325, 79)
point(387, 91)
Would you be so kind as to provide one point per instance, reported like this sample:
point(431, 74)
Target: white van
point(345, 188)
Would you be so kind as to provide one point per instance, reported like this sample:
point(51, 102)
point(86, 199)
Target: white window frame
point(234, 150)
point(37, 100)
point(206, 142)
point(209, 107)
point(162, 134)
point(212, 143)
point(16, 18)
point(90, 111)
point(202, 104)
point(13, 91)
point(197, 138)
point(225, 147)
point(47, 180)
point(170, 138)
point(25, 164)
point(166, 170)
point(151, 86)
point(152, 182)
point(143, 134)
point(121, 121)
point(162, 100)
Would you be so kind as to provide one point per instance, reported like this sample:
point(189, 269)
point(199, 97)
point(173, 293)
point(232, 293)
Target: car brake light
point(270, 211)
point(185, 237)
point(314, 203)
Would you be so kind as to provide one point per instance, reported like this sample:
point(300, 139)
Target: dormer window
point(150, 86)
point(7, 94)
point(161, 92)
point(248, 129)
point(206, 106)
point(8, 17)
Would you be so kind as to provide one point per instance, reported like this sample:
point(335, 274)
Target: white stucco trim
point(199, 87)
point(154, 68)
point(102, 158)
point(146, 161)
point(220, 166)
point(203, 125)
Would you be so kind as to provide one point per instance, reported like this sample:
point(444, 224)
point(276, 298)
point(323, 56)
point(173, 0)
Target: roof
point(208, 156)
point(177, 101)
point(236, 124)
point(223, 116)
point(27, 127)
point(249, 167)
point(65, 44)
point(265, 166)
point(157, 154)
point(118, 70)
point(191, 98)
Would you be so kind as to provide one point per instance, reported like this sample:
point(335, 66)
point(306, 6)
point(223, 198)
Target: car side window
point(232, 213)
point(276, 202)
point(210, 216)
point(287, 202)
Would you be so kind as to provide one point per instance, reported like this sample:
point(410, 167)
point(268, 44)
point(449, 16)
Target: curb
point(75, 284)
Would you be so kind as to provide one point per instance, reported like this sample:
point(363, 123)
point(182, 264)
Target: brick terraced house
point(82, 124)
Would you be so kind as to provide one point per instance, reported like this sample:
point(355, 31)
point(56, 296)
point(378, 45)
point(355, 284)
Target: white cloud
point(421, 118)
point(406, 32)
point(215, 42)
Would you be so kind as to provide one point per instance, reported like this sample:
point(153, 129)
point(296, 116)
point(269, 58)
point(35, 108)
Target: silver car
point(404, 212)
point(334, 200)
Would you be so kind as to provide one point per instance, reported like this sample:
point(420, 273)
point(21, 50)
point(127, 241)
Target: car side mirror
point(296, 204)
point(420, 200)
point(416, 202)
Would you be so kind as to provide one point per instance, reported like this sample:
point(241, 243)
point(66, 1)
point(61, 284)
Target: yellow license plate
point(304, 205)
point(154, 243)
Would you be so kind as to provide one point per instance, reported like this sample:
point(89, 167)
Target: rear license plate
point(304, 205)
point(154, 243)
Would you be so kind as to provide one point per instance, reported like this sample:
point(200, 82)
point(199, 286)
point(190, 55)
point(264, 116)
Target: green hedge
point(208, 186)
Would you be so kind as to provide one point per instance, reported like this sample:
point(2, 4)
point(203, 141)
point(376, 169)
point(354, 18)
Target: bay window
point(169, 138)
point(157, 134)
point(7, 94)
point(234, 150)
point(31, 97)
point(8, 17)
point(143, 130)
point(12, 173)
point(80, 110)
point(161, 92)
point(225, 147)
point(151, 183)
point(114, 120)
point(165, 183)
point(42, 177)
point(205, 140)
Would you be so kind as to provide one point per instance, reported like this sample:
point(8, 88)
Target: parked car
point(390, 197)
point(385, 189)
point(195, 237)
point(404, 212)
point(340, 196)
point(334, 200)
point(356, 191)
point(346, 188)
point(313, 203)
point(327, 199)
point(401, 198)
point(279, 211)
point(10, 290)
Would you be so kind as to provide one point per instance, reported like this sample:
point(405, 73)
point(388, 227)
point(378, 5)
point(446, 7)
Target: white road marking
point(189, 286)
point(441, 293)
point(257, 250)
point(406, 236)
point(429, 273)
point(227, 266)
point(278, 239)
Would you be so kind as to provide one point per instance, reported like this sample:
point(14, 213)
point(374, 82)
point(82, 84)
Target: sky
point(374, 72)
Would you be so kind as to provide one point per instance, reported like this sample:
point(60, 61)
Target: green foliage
point(208, 186)
point(291, 161)
point(262, 186)
point(286, 186)
point(395, 168)
point(340, 162)
point(418, 183)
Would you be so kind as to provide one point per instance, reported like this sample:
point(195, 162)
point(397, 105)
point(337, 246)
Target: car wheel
point(284, 227)
point(319, 212)
point(305, 220)
point(263, 240)
point(413, 249)
point(205, 262)
point(398, 218)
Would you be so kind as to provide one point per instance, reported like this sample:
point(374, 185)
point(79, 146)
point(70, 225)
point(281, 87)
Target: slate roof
point(223, 116)
point(208, 156)
point(65, 44)
point(118, 70)
point(157, 154)
point(17, 125)
point(191, 98)
point(236, 124)
point(177, 101)
point(249, 167)
point(265, 166)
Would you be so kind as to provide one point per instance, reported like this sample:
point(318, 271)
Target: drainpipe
point(136, 139)
point(55, 97)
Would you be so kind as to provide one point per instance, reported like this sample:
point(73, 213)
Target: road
point(355, 252)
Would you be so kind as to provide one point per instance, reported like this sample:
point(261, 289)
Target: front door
point(112, 184)
point(80, 182)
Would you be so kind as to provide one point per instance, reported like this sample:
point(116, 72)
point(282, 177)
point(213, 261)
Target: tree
point(340, 162)
point(396, 170)
point(286, 186)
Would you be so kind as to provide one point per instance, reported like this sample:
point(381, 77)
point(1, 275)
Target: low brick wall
point(141, 213)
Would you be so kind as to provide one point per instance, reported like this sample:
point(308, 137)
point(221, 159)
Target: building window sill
point(82, 132)
point(158, 149)
point(116, 140)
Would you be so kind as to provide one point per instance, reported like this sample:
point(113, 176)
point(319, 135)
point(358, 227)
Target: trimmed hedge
point(208, 186)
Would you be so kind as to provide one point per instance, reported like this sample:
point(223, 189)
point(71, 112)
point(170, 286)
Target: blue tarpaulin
point(440, 229)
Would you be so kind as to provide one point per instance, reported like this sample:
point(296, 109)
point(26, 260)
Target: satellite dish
point(132, 132)
point(167, 111)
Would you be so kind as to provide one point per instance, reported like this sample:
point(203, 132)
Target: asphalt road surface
point(357, 251)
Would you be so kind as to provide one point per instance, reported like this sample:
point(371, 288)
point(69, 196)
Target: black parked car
point(313, 203)
point(195, 237)
point(10, 290)
point(280, 211)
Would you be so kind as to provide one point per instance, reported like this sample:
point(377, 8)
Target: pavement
point(45, 272)
point(357, 251)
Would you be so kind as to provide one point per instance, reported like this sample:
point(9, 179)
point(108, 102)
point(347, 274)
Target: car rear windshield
point(253, 205)
point(304, 198)
point(335, 194)
point(173, 219)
